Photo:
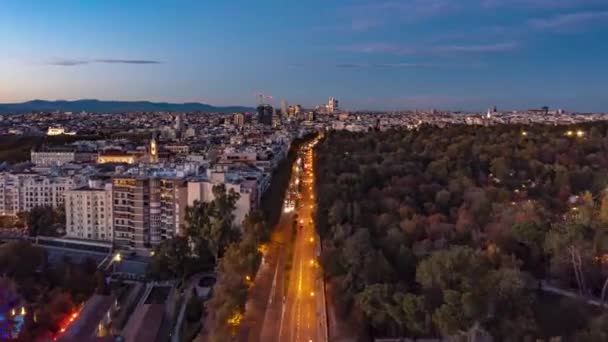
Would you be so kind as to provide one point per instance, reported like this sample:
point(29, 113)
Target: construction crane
point(263, 97)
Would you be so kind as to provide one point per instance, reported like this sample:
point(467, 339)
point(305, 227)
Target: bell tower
point(153, 150)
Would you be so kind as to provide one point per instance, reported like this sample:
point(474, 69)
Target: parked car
point(204, 287)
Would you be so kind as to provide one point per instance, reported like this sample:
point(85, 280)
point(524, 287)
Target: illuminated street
point(300, 314)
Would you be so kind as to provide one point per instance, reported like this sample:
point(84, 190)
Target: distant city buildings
point(332, 105)
point(265, 113)
point(239, 119)
point(54, 131)
point(132, 192)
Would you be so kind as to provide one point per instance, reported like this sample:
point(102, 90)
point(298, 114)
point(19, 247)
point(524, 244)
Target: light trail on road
point(302, 309)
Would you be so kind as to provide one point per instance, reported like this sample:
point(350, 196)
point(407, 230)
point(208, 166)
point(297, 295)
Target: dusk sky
point(447, 54)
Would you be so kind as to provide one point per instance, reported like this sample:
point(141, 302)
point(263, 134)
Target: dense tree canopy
point(436, 231)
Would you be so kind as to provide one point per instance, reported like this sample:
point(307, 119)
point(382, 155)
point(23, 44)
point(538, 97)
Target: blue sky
point(371, 54)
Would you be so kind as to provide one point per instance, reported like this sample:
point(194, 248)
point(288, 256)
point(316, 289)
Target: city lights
point(235, 319)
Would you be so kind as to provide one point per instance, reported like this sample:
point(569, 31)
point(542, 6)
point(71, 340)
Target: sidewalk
point(267, 288)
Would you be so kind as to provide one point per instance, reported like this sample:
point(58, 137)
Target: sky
point(370, 54)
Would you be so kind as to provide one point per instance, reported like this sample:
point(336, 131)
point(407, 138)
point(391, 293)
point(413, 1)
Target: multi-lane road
point(296, 310)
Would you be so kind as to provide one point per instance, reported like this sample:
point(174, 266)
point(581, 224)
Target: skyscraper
point(179, 124)
point(265, 114)
point(332, 105)
point(284, 107)
point(239, 119)
point(153, 150)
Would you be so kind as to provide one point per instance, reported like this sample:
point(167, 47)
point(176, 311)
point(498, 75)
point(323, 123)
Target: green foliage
point(50, 292)
point(174, 258)
point(45, 221)
point(597, 331)
point(440, 217)
point(213, 223)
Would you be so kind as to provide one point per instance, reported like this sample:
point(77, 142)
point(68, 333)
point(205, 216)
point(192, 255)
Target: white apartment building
point(9, 194)
point(41, 190)
point(52, 158)
point(24, 191)
point(88, 213)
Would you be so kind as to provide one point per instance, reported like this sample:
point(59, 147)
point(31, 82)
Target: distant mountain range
point(97, 106)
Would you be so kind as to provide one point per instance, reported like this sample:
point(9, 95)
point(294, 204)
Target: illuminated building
point(332, 105)
point(115, 157)
point(54, 131)
point(153, 151)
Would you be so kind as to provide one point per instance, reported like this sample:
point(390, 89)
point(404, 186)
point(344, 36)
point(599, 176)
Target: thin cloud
point(387, 65)
point(569, 21)
point(402, 65)
point(371, 48)
point(374, 14)
point(381, 48)
point(68, 62)
point(543, 4)
point(76, 62)
point(379, 13)
point(480, 48)
point(127, 61)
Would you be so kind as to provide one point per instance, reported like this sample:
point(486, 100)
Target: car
point(204, 287)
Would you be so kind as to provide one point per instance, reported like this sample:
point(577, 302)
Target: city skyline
point(409, 54)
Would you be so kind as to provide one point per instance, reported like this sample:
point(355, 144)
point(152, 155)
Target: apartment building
point(131, 197)
point(52, 158)
point(48, 157)
point(24, 191)
point(43, 190)
point(147, 210)
point(172, 202)
point(9, 194)
point(89, 213)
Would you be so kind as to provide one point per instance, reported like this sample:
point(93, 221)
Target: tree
point(378, 304)
point(20, 260)
point(596, 331)
point(499, 167)
point(569, 250)
point(174, 258)
point(45, 220)
point(213, 222)
point(603, 210)
point(417, 316)
point(230, 293)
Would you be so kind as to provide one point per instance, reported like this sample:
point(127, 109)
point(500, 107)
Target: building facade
point(146, 211)
point(131, 199)
point(88, 213)
point(42, 191)
point(52, 158)
point(172, 202)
